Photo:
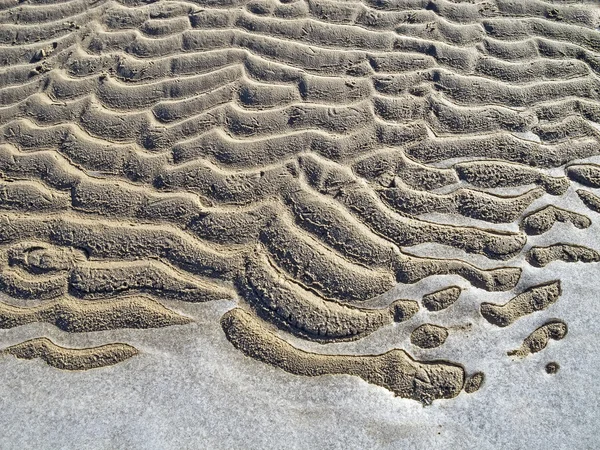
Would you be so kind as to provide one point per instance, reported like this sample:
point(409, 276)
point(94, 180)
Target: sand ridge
point(538, 339)
point(287, 156)
point(71, 358)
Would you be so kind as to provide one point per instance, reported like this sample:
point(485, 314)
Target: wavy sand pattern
point(287, 155)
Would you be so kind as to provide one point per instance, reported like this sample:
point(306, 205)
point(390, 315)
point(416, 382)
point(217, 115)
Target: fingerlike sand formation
point(394, 370)
point(301, 312)
point(590, 199)
point(71, 358)
point(493, 174)
point(298, 158)
point(585, 174)
point(536, 298)
point(467, 202)
point(74, 316)
point(538, 340)
point(542, 220)
point(541, 256)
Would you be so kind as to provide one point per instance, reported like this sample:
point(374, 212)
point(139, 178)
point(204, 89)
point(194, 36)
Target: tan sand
point(297, 158)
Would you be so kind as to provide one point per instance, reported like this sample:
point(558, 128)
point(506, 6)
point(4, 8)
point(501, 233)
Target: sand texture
point(334, 171)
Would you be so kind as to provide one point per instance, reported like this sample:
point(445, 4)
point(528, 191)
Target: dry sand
point(307, 160)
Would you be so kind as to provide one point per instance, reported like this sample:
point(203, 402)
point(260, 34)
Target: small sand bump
point(552, 368)
point(442, 299)
point(474, 382)
point(429, 336)
point(403, 310)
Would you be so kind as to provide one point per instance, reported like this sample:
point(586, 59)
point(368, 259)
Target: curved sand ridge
point(288, 155)
point(71, 358)
point(538, 340)
point(394, 370)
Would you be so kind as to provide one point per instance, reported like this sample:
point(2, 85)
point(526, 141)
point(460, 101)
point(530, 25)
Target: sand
point(332, 169)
